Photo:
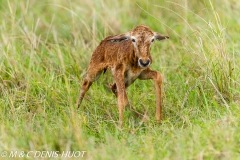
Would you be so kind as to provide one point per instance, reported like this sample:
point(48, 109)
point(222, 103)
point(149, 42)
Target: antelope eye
point(133, 40)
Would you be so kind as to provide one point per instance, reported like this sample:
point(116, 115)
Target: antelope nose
point(144, 63)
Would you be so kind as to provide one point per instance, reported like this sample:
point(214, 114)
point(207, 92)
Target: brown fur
point(127, 61)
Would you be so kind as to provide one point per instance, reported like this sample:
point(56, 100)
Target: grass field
point(46, 46)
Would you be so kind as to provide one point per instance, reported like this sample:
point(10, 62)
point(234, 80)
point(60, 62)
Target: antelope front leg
point(157, 77)
point(121, 91)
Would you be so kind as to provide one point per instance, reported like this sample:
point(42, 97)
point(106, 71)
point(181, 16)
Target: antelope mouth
point(143, 64)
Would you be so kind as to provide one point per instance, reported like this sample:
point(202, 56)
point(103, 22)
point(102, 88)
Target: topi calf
point(128, 57)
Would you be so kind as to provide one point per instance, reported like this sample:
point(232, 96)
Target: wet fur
point(120, 55)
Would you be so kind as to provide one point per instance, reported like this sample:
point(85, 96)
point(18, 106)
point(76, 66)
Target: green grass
point(45, 48)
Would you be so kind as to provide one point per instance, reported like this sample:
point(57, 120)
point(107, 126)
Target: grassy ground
point(45, 48)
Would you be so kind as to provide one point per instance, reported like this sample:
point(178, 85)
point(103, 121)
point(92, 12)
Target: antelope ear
point(159, 36)
point(119, 37)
